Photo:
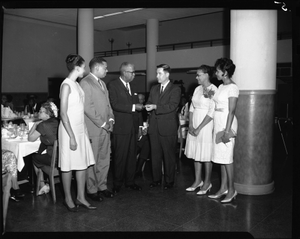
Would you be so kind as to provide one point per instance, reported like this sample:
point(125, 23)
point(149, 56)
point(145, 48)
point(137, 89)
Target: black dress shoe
point(89, 207)
point(168, 186)
point(155, 184)
point(17, 193)
point(71, 209)
point(116, 190)
point(106, 193)
point(95, 197)
point(134, 187)
point(13, 198)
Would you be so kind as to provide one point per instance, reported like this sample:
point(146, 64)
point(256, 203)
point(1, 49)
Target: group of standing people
point(97, 121)
point(212, 129)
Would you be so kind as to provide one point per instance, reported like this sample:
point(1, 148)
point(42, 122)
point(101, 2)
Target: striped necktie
point(99, 81)
point(128, 88)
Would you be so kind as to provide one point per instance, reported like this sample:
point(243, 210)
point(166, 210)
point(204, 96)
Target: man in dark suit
point(163, 102)
point(99, 118)
point(125, 104)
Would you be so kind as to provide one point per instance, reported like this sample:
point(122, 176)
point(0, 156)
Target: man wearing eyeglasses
point(163, 103)
point(125, 104)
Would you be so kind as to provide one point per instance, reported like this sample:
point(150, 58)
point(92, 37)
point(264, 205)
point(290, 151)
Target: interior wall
point(32, 52)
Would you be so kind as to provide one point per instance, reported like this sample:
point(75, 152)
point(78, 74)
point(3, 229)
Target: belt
point(220, 109)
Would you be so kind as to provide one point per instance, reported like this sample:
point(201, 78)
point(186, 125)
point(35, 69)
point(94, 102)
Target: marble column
point(85, 35)
point(152, 42)
point(253, 49)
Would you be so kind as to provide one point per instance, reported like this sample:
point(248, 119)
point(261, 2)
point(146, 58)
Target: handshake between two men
point(148, 107)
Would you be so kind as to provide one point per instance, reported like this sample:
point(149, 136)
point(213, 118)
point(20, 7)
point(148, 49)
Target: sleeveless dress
point(223, 153)
point(83, 156)
point(199, 148)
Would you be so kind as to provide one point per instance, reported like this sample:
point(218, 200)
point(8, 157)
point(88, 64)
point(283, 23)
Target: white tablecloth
point(21, 148)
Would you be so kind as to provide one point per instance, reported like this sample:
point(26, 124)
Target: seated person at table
point(32, 106)
point(46, 130)
point(7, 101)
point(9, 164)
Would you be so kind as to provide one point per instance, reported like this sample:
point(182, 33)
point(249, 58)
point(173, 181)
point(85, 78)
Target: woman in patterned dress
point(75, 151)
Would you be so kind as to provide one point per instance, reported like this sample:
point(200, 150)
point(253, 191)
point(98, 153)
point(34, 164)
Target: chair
point(181, 138)
point(51, 171)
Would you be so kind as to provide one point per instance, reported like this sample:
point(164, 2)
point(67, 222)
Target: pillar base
point(254, 189)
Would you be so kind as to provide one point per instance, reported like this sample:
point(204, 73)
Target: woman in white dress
point(199, 143)
point(225, 121)
point(225, 127)
point(75, 152)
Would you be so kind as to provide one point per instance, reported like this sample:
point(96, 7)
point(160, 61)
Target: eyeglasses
point(132, 72)
point(200, 74)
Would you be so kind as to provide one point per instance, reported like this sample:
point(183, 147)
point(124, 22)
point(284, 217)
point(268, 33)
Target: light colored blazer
point(97, 108)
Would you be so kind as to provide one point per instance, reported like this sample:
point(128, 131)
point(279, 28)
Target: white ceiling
point(68, 16)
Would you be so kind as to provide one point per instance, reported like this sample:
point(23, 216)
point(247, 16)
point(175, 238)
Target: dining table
point(21, 147)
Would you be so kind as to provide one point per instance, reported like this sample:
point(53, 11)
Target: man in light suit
point(99, 120)
point(128, 126)
point(163, 102)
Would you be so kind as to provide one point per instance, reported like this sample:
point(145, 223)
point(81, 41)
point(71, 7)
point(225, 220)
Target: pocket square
point(135, 93)
point(221, 133)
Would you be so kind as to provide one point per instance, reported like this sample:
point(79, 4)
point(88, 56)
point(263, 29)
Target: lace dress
point(199, 148)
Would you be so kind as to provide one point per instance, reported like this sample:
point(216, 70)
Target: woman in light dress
point(225, 128)
point(75, 152)
point(199, 143)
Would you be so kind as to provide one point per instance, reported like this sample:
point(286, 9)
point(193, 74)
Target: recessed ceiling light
point(117, 13)
point(132, 10)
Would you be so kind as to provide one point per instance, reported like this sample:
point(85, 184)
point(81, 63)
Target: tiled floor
point(173, 211)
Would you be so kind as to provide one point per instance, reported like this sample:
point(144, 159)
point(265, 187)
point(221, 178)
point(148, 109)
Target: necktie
point(100, 84)
point(127, 87)
point(161, 89)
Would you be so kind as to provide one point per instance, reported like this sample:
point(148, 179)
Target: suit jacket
point(121, 102)
point(97, 108)
point(164, 118)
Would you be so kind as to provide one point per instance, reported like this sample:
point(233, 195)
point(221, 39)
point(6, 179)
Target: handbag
point(220, 134)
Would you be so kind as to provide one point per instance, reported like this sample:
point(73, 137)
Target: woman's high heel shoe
point(71, 209)
point(203, 192)
point(229, 199)
point(90, 207)
point(45, 189)
point(215, 196)
point(192, 189)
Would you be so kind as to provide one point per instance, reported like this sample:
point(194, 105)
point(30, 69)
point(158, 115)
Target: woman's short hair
point(225, 64)
point(73, 60)
point(49, 111)
point(207, 69)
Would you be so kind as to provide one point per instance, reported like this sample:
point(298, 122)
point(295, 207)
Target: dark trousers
point(163, 149)
point(124, 158)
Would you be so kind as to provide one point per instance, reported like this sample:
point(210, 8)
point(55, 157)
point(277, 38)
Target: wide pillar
point(152, 42)
point(253, 49)
point(85, 35)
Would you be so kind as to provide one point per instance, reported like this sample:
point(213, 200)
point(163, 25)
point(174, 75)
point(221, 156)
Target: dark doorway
point(53, 88)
